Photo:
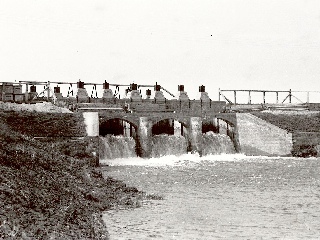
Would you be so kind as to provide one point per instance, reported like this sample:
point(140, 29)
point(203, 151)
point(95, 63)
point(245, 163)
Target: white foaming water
point(185, 159)
point(229, 196)
point(168, 145)
point(117, 147)
point(213, 143)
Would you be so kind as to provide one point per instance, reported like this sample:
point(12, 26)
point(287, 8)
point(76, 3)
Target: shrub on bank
point(304, 151)
point(40, 124)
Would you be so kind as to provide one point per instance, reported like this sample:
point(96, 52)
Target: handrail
point(167, 91)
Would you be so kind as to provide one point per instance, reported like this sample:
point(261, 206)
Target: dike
point(304, 126)
point(49, 188)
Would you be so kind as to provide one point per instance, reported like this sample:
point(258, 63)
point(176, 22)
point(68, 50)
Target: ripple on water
point(209, 199)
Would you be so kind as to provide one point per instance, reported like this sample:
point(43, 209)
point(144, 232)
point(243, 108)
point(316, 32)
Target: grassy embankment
point(48, 190)
point(305, 127)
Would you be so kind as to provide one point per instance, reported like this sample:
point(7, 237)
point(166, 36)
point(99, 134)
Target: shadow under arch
point(120, 127)
point(229, 128)
point(116, 126)
point(169, 137)
point(166, 126)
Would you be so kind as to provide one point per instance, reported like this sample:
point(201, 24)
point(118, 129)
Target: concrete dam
point(199, 126)
point(153, 126)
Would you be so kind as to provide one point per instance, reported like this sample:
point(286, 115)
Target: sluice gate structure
point(143, 117)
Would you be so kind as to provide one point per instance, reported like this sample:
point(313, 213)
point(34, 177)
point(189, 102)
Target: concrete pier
point(195, 134)
point(91, 120)
point(144, 136)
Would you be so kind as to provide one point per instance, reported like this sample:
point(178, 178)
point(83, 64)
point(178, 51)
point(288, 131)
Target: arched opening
point(169, 127)
point(226, 127)
point(118, 138)
point(165, 126)
point(210, 125)
point(217, 137)
point(168, 138)
point(116, 127)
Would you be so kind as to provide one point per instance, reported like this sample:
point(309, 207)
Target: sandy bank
point(35, 107)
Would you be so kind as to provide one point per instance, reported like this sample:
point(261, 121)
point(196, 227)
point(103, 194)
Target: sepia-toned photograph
point(159, 119)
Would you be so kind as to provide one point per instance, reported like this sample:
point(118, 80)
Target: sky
point(226, 44)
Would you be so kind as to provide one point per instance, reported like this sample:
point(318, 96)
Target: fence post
point(290, 95)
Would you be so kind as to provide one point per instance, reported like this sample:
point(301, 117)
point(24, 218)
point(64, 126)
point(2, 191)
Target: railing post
point(290, 95)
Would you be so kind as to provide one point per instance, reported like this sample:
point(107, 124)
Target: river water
point(219, 197)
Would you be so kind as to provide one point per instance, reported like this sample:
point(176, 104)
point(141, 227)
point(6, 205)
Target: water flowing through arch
point(168, 137)
point(118, 138)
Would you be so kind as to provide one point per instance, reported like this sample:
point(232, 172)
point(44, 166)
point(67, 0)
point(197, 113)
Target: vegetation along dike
point(50, 187)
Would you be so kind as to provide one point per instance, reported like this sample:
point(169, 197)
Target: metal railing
point(289, 96)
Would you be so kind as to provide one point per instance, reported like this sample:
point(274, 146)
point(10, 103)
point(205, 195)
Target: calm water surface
point(219, 197)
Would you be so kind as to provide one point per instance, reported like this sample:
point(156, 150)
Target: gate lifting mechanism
point(94, 91)
point(117, 91)
point(41, 94)
point(70, 91)
point(94, 94)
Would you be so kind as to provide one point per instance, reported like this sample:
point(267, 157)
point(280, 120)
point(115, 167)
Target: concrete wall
point(91, 120)
point(190, 107)
point(258, 137)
